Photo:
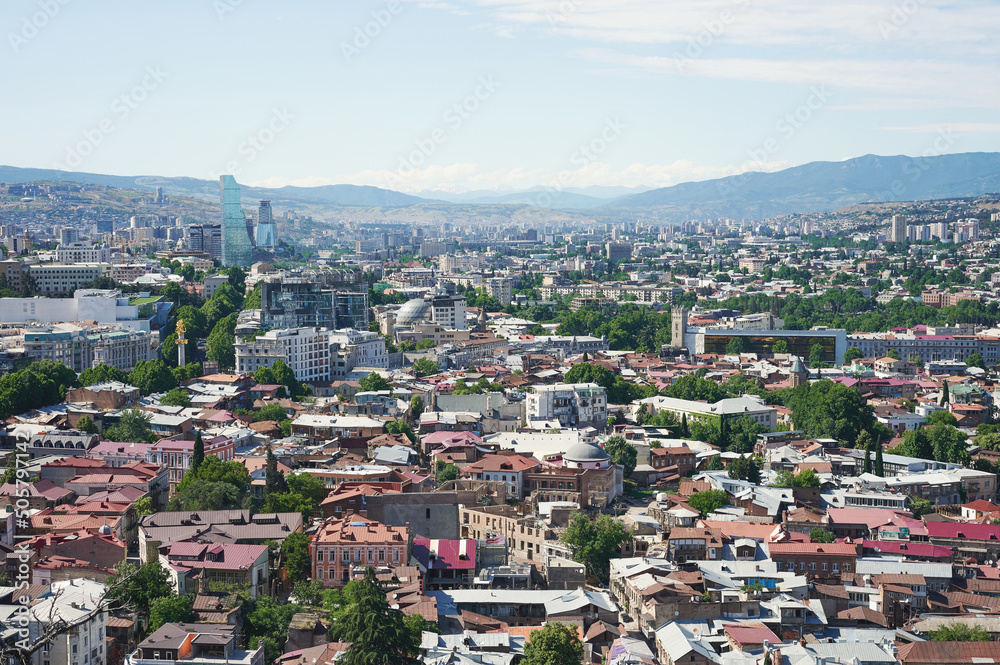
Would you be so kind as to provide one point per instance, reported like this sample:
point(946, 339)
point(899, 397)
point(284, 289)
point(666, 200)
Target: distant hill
point(341, 195)
point(825, 186)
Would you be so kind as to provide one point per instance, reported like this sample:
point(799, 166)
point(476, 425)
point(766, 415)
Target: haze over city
point(470, 95)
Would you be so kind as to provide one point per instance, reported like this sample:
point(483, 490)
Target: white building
point(732, 408)
point(452, 263)
point(572, 404)
point(501, 288)
point(80, 348)
point(305, 350)
point(70, 602)
point(351, 348)
point(100, 306)
point(66, 277)
point(83, 252)
point(449, 312)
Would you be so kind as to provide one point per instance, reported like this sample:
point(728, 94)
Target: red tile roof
point(750, 634)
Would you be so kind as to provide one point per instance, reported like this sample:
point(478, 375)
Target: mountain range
point(809, 188)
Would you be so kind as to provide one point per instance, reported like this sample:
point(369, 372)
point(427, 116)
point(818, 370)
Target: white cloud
point(957, 127)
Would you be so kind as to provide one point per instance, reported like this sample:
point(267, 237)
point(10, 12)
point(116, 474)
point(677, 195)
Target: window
point(319, 555)
point(428, 514)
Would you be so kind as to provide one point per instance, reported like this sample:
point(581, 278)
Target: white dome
point(586, 452)
point(413, 311)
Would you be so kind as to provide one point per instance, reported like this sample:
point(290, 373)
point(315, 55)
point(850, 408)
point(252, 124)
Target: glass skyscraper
point(236, 247)
point(266, 230)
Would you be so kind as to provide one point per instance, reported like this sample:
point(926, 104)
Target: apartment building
point(928, 348)
point(575, 405)
point(342, 544)
point(83, 252)
point(501, 288)
point(305, 350)
point(66, 277)
point(509, 469)
point(817, 561)
point(242, 565)
point(350, 348)
point(195, 644)
point(81, 642)
point(175, 453)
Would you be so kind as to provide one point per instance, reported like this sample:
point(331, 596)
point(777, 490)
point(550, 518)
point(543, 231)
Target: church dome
point(586, 453)
point(412, 311)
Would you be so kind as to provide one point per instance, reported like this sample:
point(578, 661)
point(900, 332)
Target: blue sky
point(491, 94)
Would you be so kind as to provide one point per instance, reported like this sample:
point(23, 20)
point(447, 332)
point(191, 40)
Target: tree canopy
point(595, 541)
point(622, 453)
point(555, 644)
point(377, 632)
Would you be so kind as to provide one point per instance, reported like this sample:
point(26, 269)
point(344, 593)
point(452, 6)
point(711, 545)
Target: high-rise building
point(267, 233)
point(898, 229)
point(236, 247)
point(204, 238)
point(68, 235)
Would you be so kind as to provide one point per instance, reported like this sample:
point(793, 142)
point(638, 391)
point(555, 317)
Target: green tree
point(745, 468)
point(879, 468)
point(401, 427)
point(696, 388)
point(176, 397)
point(374, 382)
point(446, 473)
point(308, 485)
point(170, 609)
point(820, 536)
point(816, 355)
point(416, 407)
point(851, 354)
point(309, 594)
point(102, 373)
point(136, 587)
point(961, 632)
point(555, 644)
point(424, 367)
point(85, 424)
point(133, 427)
point(941, 417)
point(266, 624)
point(743, 434)
point(715, 463)
point(736, 346)
point(709, 501)
point(867, 443)
point(595, 542)
point(144, 506)
point(622, 453)
point(222, 341)
point(195, 322)
point(272, 411)
point(975, 359)
point(377, 632)
point(152, 376)
point(274, 480)
point(198, 454)
point(893, 353)
point(779, 346)
point(295, 555)
point(829, 410)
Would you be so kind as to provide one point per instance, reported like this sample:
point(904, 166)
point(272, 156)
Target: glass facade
point(798, 345)
point(236, 247)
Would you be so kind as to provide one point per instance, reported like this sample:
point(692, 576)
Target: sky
point(464, 95)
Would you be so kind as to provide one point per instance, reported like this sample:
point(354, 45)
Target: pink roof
point(220, 417)
point(233, 557)
point(838, 549)
point(449, 553)
point(751, 634)
point(450, 437)
point(870, 517)
point(909, 549)
point(963, 530)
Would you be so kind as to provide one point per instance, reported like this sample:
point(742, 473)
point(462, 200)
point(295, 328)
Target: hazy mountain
point(823, 186)
point(343, 195)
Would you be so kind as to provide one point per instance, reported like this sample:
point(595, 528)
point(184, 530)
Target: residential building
point(449, 312)
point(82, 641)
point(576, 405)
point(341, 544)
point(81, 348)
point(195, 644)
point(175, 453)
point(305, 350)
point(731, 408)
point(56, 278)
point(509, 469)
point(820, 561)
point(83, 252)
point(350, 348)
point(187, 564)
point(224, 526)
point(205, 238)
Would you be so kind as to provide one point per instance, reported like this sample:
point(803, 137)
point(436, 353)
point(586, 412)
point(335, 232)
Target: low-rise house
point(508, 469)
point(341, 544)
point(221, 526)
point(195, 644)
point(245, 566)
